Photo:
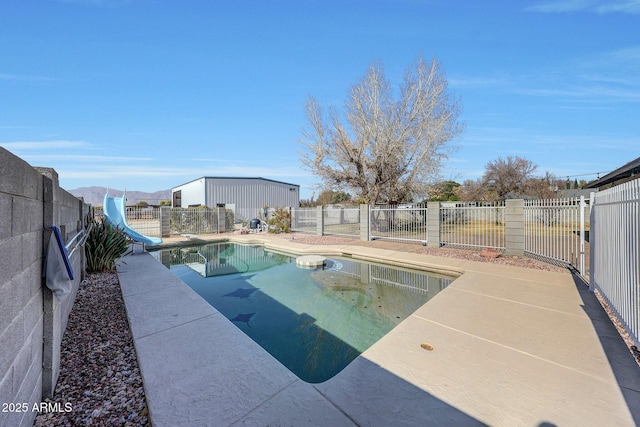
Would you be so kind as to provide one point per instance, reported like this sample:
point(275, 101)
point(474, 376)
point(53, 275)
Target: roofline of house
point(629, 169)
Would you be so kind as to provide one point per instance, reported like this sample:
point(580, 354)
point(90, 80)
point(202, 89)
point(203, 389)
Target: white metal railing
point(145, 220)
point(304, 219)
point(473, 224)
point(555, 229)
point(341, 221)
point(403, 224)
point(615, 252)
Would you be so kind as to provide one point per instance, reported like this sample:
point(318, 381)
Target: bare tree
point(471, 190)
point(384, 150)
point(545, 187)
point(503, 176)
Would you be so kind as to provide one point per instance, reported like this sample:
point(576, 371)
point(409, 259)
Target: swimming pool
point(314, 321)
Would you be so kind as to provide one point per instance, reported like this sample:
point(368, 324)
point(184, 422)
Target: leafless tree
point(545, 187)
point(383, 149)
point(503, 176)
point(471, 190)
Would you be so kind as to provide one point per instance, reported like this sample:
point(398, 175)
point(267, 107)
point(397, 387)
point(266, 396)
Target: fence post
point(592, 241)
point(365, 218)
point(165, 221)
point(514, 218)
point(433, 224)
point(222, 220)
point(320, 221)
point(582, 206)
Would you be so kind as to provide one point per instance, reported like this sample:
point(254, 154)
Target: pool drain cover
point(426, 346)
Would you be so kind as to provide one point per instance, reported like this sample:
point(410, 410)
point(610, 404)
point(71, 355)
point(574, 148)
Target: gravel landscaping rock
point(99, 373)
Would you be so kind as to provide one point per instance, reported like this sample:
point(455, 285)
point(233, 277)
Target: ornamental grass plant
point(104, 246)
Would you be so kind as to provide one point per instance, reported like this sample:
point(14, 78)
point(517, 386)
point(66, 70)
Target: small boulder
point(490, 253)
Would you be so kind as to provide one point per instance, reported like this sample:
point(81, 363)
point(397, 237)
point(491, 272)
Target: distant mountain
point(95, 195)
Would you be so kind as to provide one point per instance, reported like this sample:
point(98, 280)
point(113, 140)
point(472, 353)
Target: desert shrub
point(280, 221)
point(105, 244)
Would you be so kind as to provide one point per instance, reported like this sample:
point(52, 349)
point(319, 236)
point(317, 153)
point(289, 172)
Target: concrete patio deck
point(511, 347)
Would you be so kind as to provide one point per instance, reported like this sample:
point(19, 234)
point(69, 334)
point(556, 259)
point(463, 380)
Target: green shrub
point(281, 221)
point(104, 246)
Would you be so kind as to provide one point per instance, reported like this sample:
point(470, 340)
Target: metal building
point(245, 196)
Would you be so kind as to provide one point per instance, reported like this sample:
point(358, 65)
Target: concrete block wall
point(320, 221)
point(433, 224)
point(514, 220)
point(30, 316)
point(165, 221)
point(365, 222)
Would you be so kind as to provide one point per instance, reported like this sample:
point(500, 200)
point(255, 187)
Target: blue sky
point(148, 95)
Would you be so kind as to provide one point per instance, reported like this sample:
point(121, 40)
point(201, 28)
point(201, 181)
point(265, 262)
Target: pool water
point(314, 321)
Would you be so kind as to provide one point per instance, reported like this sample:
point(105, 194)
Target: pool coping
point(510, 346)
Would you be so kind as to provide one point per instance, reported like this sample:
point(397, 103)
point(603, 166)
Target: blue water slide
point(115, 213)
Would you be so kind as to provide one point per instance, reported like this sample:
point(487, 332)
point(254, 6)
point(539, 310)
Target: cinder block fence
point(32, 319)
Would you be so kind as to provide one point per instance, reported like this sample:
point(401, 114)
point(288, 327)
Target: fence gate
point(557, 230)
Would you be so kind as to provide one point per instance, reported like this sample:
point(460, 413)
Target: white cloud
point(560, 6)
point(139, 171)
point(475, 81)
point(43, 145)
point(24, 78)
point(630, 6)
point(597, 6)
point(81, 158)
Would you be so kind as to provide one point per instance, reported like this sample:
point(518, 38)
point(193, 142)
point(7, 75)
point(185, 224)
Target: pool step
point(311, 261)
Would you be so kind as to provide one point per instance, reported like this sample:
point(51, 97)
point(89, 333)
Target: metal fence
point(473, 224)
point(341, 221)
point(556, 230)
point(304, 220)
point(200, 220)
point(402, 224)
point(615, 252)
point(147, 220)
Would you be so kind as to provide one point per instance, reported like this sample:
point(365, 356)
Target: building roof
point(623, 173)
point(238, 177)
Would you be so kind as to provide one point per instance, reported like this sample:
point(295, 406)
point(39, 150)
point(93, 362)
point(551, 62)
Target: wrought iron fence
point(556, 230)
point(145, 220)
point(402, 224)
point(615, 256)
point(473, 224)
